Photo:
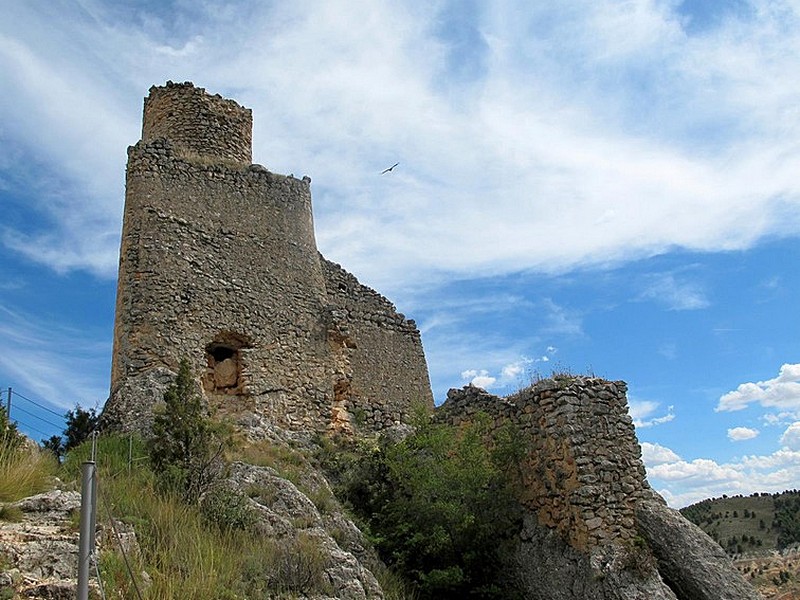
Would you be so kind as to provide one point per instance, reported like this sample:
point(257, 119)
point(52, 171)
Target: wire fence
point(38, 416)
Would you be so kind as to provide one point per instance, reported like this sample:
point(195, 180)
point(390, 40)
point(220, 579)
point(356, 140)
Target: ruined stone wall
point(223, 261)
point(583, 473)
point(592, 527)
point(198, 124)
point(218, 264)
point(375, 336)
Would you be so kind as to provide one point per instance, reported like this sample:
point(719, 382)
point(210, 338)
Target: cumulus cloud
point(791, 437)
point(656, 454)
point(643, 413)
point(511, 375)
point(480, 378)
point(782, 392)
point(683, 482)
point(739, 434)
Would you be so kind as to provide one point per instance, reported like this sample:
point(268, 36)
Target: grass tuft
point(24, 471)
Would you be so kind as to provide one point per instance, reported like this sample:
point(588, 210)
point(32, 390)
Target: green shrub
point(439, 507)
point(186, 448)
point(227, 509)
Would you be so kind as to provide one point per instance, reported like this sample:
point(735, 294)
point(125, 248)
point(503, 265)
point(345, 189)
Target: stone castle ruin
point(218, 264)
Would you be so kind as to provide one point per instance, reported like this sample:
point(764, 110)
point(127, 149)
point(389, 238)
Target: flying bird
point(390, 168)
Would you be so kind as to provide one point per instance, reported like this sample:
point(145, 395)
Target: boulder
point(693, 564)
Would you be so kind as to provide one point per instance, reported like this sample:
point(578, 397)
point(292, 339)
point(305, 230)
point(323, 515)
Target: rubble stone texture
point(219, 264)
point(593, 528)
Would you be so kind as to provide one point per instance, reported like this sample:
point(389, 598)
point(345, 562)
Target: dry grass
point(24, 471)
point(185, 556)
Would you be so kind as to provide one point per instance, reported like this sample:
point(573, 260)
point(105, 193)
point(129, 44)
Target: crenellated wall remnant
point(592, 526)
point(219, 264)
point(582, 473)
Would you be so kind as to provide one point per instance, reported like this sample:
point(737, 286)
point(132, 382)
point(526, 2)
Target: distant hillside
point(749, 524)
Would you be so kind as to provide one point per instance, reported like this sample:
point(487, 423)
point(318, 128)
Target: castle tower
point(219, 264)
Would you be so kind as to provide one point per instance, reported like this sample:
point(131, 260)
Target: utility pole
point(8, 406)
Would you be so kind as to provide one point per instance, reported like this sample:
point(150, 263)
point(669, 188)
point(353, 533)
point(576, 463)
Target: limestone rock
point(285, 511)
point(547, 568)
point(693, 564)
point(130, 407)
point(41, 551)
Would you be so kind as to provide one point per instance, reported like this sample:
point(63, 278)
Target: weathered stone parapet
point(198, 123)
point(389, 372)
point(592, 527)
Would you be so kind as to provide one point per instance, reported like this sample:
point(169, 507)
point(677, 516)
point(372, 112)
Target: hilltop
point(761, 532)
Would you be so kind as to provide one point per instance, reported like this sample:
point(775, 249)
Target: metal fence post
point(88, 495)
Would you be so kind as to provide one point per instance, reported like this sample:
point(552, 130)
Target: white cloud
point(514, 370)
point(677, 295)
point(511, 375)
point(642, 413)
point(739, 434)
point(791, 437)
point(782, 392)
point(551, 127)
point(656, 454)
point(480, 378)
point(684, 482)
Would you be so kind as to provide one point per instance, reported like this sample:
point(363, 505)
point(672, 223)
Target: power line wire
point(26, 425)
point(35, 416)
point(16, 393)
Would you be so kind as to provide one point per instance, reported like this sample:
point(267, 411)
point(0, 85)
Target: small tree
point(80, 425)
point(186, 448)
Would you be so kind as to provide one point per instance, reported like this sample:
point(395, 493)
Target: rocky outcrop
point(693, 564)
point(288, 514)
point(40, 552)
point(550, 569)
point(130, 407)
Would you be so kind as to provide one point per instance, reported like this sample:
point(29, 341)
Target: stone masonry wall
point(218, 264)
point(583, 474)
point(198, 123)
point(201, 267)
point(375, 335)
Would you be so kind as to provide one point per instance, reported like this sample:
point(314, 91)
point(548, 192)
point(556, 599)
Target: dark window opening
point(224, 360)
point(220, 353)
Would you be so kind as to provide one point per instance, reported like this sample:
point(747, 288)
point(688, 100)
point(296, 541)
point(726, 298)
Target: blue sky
point(594, 186)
